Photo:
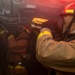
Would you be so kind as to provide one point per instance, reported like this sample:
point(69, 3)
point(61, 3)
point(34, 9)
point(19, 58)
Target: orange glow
point(70, 6)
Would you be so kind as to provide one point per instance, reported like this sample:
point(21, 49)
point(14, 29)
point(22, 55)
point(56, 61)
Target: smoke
point(49, 3)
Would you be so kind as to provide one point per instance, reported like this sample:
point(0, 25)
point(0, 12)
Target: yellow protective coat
point(57, 55)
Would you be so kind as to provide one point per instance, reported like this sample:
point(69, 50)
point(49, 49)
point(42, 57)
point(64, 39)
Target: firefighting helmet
point(69, 9)
point(37, 22)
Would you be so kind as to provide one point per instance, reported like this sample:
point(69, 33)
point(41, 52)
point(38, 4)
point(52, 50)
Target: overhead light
point(30, 6)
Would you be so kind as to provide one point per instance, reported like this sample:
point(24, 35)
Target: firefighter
point(18, 44)
point(58, 54)
point(21, 54)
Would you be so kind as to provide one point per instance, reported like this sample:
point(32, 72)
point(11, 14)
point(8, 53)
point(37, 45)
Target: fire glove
point(55, 31)
point(39, 23)
point(36, 24)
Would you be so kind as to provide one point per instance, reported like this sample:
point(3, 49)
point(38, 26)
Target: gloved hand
point(36, 24)
point(53, 26)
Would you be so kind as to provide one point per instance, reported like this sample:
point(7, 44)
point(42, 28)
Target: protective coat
point(59, 55)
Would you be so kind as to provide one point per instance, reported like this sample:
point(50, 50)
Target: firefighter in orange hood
point(58, 54)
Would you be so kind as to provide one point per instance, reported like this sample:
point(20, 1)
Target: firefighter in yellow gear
point(58, 55)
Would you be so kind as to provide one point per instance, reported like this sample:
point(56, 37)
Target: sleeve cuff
point(44, 31)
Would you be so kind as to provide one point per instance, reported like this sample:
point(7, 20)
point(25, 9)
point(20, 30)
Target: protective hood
point(68, 31)
point(67, 23)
